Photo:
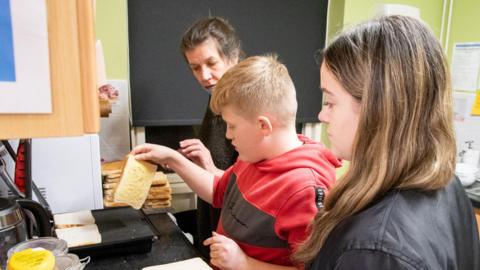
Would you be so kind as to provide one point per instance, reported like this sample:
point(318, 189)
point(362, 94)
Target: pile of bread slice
point(135, 183)
point(77, 228)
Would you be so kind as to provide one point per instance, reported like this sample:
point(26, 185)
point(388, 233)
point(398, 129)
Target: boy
point(270, 195)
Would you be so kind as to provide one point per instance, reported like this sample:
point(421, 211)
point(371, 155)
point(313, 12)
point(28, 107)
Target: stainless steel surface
point(13, 228)
point(10, 213)
point(10, 218)
point(9, 238)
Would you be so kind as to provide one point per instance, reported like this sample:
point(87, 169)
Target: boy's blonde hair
point(257, 85)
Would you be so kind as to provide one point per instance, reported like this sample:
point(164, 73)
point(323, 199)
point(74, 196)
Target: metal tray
point(124, 230)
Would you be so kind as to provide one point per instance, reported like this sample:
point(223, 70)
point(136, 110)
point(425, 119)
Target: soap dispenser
point(471, 156)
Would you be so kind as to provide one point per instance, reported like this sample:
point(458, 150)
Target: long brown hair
point(396, 69)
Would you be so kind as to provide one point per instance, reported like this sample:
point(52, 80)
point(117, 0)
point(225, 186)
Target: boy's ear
point(266, 126)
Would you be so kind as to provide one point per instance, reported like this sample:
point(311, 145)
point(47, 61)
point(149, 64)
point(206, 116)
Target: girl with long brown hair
point(388, 107)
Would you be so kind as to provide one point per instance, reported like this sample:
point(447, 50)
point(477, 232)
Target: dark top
point(212, 135)
point(407, 229)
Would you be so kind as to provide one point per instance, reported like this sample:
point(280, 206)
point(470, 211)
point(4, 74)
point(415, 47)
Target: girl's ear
point(265, 124)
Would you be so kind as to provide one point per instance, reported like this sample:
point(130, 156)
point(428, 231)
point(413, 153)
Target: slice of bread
point(108, 198)
point(160, 190)
point(111, 180)
point(158, 204)
point(80, 236)
point(159, 179)
point(113, 165)
point(195, 263)
point(135, 182)
point(114, 175)
point(109, 203)
point(73, 219)
point(110, 185)
point(108, 192)
point(159, 196)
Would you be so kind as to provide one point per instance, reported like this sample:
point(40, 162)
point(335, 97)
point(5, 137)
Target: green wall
point(111, 29)
point(430, 11)
point(465, 25)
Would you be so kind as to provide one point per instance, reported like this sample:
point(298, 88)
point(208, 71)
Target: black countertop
point(171, 246)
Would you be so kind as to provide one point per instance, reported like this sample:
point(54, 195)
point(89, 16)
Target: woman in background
point(211, 47)
point(388, 107)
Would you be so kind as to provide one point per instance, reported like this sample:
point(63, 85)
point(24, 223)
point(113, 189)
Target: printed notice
point(7, 65)
point(476, 105)
point(466, 66)
point(24, 57)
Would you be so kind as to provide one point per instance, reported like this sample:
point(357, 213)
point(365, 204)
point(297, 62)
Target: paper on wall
point(467, 126)
point(115, 129)
point(476, 105)
point(100, 64)
point(25, 80)
point(466, 66)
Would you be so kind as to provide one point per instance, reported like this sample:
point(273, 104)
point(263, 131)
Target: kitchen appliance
point(66, 172)
point(14, 223)
point(124, 230)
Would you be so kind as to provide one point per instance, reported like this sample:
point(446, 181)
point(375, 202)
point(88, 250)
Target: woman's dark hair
point(220, 30)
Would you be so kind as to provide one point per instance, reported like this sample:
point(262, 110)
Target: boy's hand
point(225, 253)
point(153, 153)
point(196, 151)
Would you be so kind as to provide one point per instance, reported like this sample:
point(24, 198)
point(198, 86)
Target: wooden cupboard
point(75, 105)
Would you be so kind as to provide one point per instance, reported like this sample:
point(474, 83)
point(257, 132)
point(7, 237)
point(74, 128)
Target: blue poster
point(7, 61)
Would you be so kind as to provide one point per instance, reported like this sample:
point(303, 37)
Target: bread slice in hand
point(135, 182)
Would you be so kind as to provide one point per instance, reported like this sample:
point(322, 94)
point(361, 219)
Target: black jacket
point(407, 230)
point(212, 135)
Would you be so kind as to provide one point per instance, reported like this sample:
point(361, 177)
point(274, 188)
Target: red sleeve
point(295, 216)
point(219, 187)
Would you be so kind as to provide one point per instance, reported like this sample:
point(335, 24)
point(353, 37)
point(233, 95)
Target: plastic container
point(54, 245)
point(29, 250)
point(32, 259)
point(70, 262)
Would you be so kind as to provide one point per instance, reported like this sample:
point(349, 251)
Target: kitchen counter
point(171, 246)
